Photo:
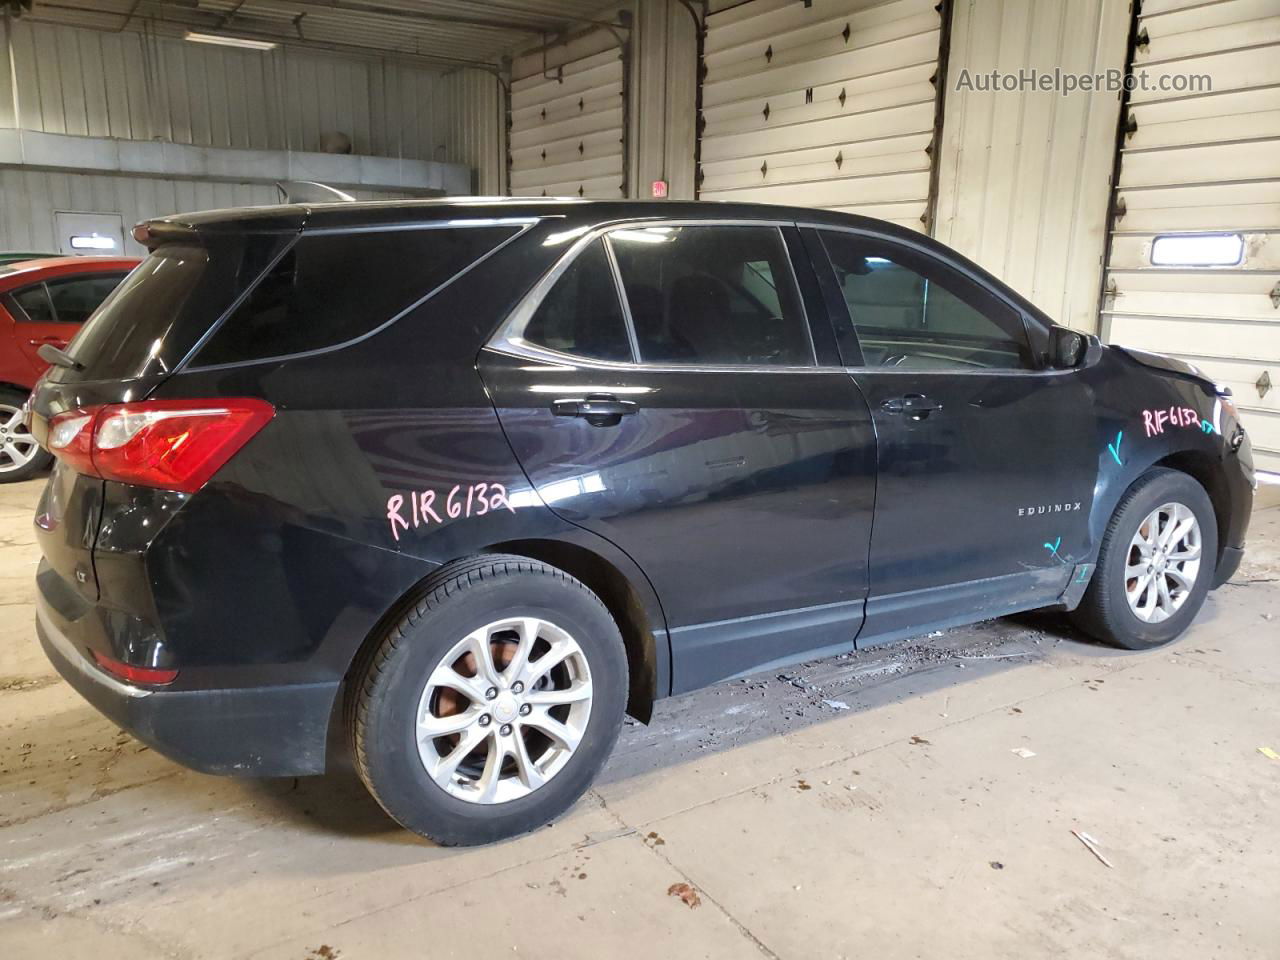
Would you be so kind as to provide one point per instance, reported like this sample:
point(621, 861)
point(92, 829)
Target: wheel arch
point(1197, 464)
point(1208, 473)
point(639, 619)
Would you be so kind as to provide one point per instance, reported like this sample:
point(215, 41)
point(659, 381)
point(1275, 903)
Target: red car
point(42, 301)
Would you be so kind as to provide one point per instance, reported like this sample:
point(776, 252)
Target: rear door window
point(712, 295)
point(34, 302)
point(75, 298)
point(331, 288)
point(582, 315)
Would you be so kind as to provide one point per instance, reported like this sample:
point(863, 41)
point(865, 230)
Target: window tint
point(75, 298)
point(581, 315)
point(911, 311)
point(331, 288)
point(34, 302)
point(712, 295)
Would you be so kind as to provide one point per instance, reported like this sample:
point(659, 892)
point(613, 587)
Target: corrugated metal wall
point(1025, 176)
point(136, 87)
point(471, 116)
point(29, 199)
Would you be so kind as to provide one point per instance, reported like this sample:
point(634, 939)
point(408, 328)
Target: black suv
point(458, 483)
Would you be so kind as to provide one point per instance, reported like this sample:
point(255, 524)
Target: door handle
point(915, 405)
point(598, 409)
point(56, 341)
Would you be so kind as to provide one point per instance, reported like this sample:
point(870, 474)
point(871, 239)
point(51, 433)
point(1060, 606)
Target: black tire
point(1104, 612)
point(461, 598)
point(10, 402)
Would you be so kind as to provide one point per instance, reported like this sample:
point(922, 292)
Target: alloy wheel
point(504, 710)
point(17, 446)
point(1163, 562)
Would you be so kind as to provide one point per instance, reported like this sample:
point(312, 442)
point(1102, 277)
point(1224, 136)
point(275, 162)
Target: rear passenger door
point(661, 388)
point(987, 460)
point(53, 312)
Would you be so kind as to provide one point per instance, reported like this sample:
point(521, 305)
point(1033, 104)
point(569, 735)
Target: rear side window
point(582, 314)
point(332, 288)
point(712, 295)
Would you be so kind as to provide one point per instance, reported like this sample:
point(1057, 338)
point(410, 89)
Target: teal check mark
point(1115, 448)
point(1053, 548)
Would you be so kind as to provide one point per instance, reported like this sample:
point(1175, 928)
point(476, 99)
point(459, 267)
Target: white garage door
point(824, 105)
point(567, 129)
point(1197, 166)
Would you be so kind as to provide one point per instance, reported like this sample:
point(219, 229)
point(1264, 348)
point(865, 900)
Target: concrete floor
point(869, 806)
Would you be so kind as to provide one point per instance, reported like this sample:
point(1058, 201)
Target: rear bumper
point(270, 731)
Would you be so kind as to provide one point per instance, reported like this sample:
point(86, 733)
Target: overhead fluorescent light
point(225, 41)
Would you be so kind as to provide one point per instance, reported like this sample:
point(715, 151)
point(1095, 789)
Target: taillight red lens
point(124, 671)
point(170, 444)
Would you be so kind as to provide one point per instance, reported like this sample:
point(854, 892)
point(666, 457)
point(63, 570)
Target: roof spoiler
point(308, 191)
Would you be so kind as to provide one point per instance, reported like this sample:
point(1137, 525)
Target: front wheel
point(488, 709)
point(20, 456)
point(1155, 564)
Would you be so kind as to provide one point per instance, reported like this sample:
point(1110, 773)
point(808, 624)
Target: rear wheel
point(490, 707)
point(1155, 564)
point(20, 456)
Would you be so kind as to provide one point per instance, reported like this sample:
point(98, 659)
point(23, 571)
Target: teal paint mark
point(1115, 448)
point(1084, 574)
point(1053, 549)
point(1206, 426)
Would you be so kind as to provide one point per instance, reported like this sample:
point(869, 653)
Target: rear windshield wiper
point(58, 357)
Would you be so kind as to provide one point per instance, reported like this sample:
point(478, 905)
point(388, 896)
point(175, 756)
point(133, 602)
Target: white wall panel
point(1207, 161)
point(138, 87)
point(823, 105)
point(1025, 176)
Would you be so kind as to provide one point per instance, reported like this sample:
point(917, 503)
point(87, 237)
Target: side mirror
point(1067, 348)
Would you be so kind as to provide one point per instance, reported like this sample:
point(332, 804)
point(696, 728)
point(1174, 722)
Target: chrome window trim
point(509, 340)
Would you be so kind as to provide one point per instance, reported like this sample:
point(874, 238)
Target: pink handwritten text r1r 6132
point(1154, 421)
point(423, 510)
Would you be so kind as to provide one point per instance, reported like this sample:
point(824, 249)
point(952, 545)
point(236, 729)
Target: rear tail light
point(170, 444)
point(152, 675)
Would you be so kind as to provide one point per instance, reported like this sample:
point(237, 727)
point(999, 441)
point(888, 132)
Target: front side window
point(712, 295)
point(581, 314)
point(911, 311)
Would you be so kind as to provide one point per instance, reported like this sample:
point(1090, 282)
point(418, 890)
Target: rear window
point(329, 289)
point(159, 312)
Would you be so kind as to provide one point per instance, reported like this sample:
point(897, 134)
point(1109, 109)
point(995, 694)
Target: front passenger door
point(986, 460)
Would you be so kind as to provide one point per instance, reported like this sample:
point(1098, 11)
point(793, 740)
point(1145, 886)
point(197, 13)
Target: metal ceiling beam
point(397, 13)
point(208, 23)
